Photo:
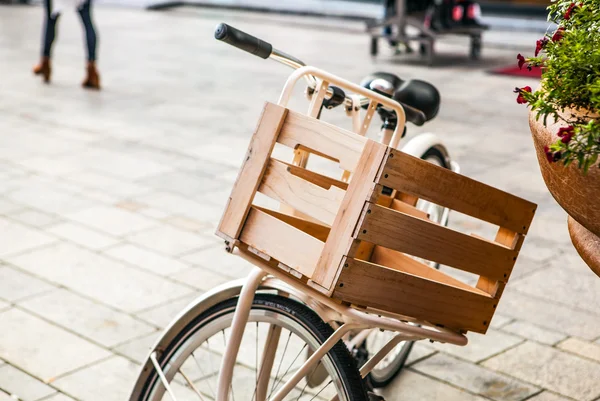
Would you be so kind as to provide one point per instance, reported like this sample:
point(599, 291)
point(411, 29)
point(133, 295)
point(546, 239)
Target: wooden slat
point(444, 187)
point(511, 240)
point(328, 139)
point(399, 261)
point(281, 241)
point(279, 184)
point(316, 230)
point(364, 283)
point(340, 238)
point(316, 178)
point(424, 239)
point(249, 177)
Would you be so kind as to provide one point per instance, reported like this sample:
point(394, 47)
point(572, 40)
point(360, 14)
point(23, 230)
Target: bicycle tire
point(382, 377)
point(284, 308)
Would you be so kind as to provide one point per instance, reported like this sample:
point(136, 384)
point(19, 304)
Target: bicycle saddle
point(416, 93)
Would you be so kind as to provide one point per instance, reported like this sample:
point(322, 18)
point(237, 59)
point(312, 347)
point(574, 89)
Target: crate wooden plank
point(281, 241)
point(337, 143)
point(316, 178)
point(318, 231)
point(280, 184)
point(512, 240)
point(424, 239)
point(376, 286)
point(401, 262)
point(254, 165)
point(340, 238)
point(411, 175)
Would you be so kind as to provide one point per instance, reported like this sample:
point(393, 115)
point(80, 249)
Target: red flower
point(558, 35)
point(570, 10)
point(520, 91)
point(566, 133)
point(521, 61)
point(540, 44)
point(549, 155)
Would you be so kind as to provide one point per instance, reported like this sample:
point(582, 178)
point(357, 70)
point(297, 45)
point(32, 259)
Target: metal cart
point(425, 36)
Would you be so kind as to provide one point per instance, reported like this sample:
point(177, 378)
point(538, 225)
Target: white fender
point(421, 143)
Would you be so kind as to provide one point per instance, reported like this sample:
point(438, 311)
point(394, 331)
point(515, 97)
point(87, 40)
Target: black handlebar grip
point(241, 40)
point(415, 116)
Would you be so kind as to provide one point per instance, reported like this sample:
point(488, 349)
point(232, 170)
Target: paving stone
point(111, 185)
point(83, 236)
point(146, 259)
point(419, 351)
point(180, 206)
point(548, 396)
point(5, 397)
point(200, 278)
point(412, 386)
point(219, 261)
point(109, 380)
point(162, 315)
point(54, 200)
point(185, 223)
point(18, 238)
point(112, 220)
point(533, 332)
point(474, 378)
point(579, 289)
point(154, 213)
point(99, 277)
point(582, 348)
point(15, 285)
point(24, 386)
point(552, 369)
point(139, 348)
point(170, 240)
point(183, 182)
point(34, 218)
point(46, 356)
point(480, 346)
point(500, 320)
point(7, 207)
point(3, 306)
point(547, 314)
point(86, 318)
point(58, 397)
point(130, 205)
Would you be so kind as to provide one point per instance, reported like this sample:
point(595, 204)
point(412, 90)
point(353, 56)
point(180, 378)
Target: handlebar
point(253, 45)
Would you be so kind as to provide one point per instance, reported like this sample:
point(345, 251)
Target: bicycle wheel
point(191, 362)
point(390, 366)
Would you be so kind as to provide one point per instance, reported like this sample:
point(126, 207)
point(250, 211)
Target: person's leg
point(49, 33)
point(85, 12)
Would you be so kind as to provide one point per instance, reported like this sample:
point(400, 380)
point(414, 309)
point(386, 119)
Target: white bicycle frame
point(265, 277)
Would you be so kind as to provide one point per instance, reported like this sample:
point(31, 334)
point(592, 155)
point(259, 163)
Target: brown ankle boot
point(92, 81)
point(43, 68)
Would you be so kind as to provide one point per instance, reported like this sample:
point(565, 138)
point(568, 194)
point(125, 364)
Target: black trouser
point(50, 28)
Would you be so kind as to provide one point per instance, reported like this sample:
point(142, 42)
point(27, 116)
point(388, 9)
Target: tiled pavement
point(108, 202)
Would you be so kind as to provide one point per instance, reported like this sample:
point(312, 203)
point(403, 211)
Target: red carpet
point(536, 72)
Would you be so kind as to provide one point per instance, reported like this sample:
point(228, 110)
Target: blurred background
point(109, 199)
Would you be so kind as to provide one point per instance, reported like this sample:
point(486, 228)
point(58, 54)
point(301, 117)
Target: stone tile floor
point(108, 202)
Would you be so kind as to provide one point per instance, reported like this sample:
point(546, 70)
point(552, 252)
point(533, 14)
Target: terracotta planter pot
point(578, 194)
point(587, 245)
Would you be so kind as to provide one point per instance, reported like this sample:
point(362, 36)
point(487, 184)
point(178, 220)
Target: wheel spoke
point(191, 384)
point(204, 375)
point(320, 391)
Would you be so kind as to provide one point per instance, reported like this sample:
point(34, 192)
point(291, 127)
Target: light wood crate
point(358, 241)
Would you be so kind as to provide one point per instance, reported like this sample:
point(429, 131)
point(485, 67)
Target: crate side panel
point(253, 168)
point(281, 241)
point(411, 175)
point(375, 286)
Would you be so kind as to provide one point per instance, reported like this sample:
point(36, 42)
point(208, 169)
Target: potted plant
point(565, 112)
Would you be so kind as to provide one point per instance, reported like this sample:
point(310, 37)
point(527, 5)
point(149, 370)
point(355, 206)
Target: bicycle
point(273, 311)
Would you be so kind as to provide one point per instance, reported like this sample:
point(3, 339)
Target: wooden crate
point(359, 241)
